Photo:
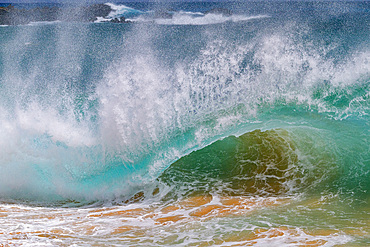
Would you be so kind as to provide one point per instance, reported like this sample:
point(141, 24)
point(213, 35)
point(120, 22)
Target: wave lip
point(122, 11)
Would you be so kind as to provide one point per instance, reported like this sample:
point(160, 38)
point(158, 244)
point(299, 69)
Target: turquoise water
point(272, 101)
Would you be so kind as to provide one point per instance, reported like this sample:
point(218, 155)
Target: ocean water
point(204, 129)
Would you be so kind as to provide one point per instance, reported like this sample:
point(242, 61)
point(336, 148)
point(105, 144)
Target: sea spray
point(127, 122)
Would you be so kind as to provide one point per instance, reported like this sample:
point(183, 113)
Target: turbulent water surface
point(245, 125)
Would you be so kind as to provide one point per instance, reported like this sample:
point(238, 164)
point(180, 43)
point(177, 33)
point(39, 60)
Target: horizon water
point(249, 129)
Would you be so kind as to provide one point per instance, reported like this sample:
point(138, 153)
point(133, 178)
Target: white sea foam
point(177, 17)
point(225, 225)
point(41, 23)
point(186, 18)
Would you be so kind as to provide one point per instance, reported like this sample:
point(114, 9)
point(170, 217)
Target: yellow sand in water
point(260, 233)
point(198, 206)
point(132, 222)
point(124, 213)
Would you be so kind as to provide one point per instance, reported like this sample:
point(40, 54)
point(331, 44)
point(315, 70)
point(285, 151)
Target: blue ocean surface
point(265, 101)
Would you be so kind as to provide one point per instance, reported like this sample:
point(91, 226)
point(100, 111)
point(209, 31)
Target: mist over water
point(269, 103)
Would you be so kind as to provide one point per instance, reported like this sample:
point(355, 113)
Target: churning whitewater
point(187, 124)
